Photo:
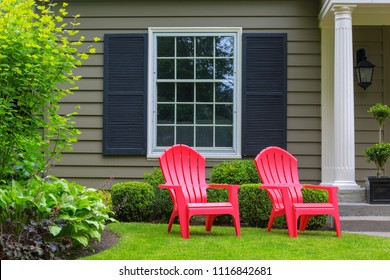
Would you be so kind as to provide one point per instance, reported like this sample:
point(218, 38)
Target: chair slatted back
point(278, 167)
point(184, 166)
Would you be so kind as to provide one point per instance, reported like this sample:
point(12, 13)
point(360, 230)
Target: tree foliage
point(38, 53)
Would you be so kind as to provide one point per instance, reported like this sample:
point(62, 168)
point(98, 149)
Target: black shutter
point(264, 92)
point(125, 94)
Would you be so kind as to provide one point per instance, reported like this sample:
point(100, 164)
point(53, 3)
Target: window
point(218, 90)
point(195, 90)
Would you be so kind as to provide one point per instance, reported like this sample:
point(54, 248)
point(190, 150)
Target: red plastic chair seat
point(211, 204)
point(313, 205)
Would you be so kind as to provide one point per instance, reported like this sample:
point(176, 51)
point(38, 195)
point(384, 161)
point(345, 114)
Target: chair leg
point(271, 220)
point(237, 225)
point(337, 225)
point(304, 220)
point(209, 222)
point(172, 219)
point(184, 220)
point(292, 224)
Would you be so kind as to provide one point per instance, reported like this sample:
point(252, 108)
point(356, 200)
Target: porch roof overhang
point(365, 12)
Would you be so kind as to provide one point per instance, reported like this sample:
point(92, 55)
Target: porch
point(347, 128)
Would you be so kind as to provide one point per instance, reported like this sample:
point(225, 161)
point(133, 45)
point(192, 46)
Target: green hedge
point(235, 172)
point(133, 201)
point(163, 202)
point(255, 205)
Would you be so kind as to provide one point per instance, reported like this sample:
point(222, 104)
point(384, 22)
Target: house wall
point(298, 19)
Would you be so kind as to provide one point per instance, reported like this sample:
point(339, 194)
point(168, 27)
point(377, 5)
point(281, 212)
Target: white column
point(327, 103)
point(344, 118)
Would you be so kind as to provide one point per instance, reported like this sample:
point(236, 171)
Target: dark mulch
point(108, 240)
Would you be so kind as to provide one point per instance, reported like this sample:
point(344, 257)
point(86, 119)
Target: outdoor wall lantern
point(364, 69)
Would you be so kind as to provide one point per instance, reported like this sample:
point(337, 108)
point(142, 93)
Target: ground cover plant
point(47, 217)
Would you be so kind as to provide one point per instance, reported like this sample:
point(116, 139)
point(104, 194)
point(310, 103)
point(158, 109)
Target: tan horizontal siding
point(86, 164)
point(304, 136)
point(303, 123)
point(304, 111)
point(88, 121)
point(90, 84)
point(99, 171)
point(309, 85)
point(304, 73)
point(85, 109)
point(308, 34)
point(304, 48)
point(194, 8)
point(81, 96)
point(304, 60)
point(89, 71)
point(200, 21)
point(362, 98)
point(310, 175)
point(366, 124)
point(85, 147)
point(367, 136)
point(96, 159)
point(300, 149)
point(304, 98)
point(90, 134)
point(309, 162)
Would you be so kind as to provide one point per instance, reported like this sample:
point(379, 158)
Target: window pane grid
point(198, 65)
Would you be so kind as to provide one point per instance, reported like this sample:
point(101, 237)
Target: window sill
point(220, 155)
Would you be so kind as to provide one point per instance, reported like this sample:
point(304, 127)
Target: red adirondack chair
point(278, 171)
point(184, 173)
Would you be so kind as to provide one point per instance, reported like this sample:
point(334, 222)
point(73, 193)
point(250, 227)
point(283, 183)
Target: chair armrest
point(223, 186)
point(232, 192)
point(177, 191)
point(320, 187)
point(332, 191)
point(285, 198)
point(273, 187)
point(166, 186)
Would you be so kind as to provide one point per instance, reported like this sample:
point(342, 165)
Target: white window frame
point(212, 153)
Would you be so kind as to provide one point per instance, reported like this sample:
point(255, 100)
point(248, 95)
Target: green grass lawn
point(142, 241)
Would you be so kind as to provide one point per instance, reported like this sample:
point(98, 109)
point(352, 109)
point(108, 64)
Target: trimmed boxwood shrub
point(133, 201)
point(252, 201)
point(235, 172)
point(255, 205)
point(311, 195)
point(219, 195)
point(163, 202)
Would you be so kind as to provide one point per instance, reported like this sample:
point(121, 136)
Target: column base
point(346, 185)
